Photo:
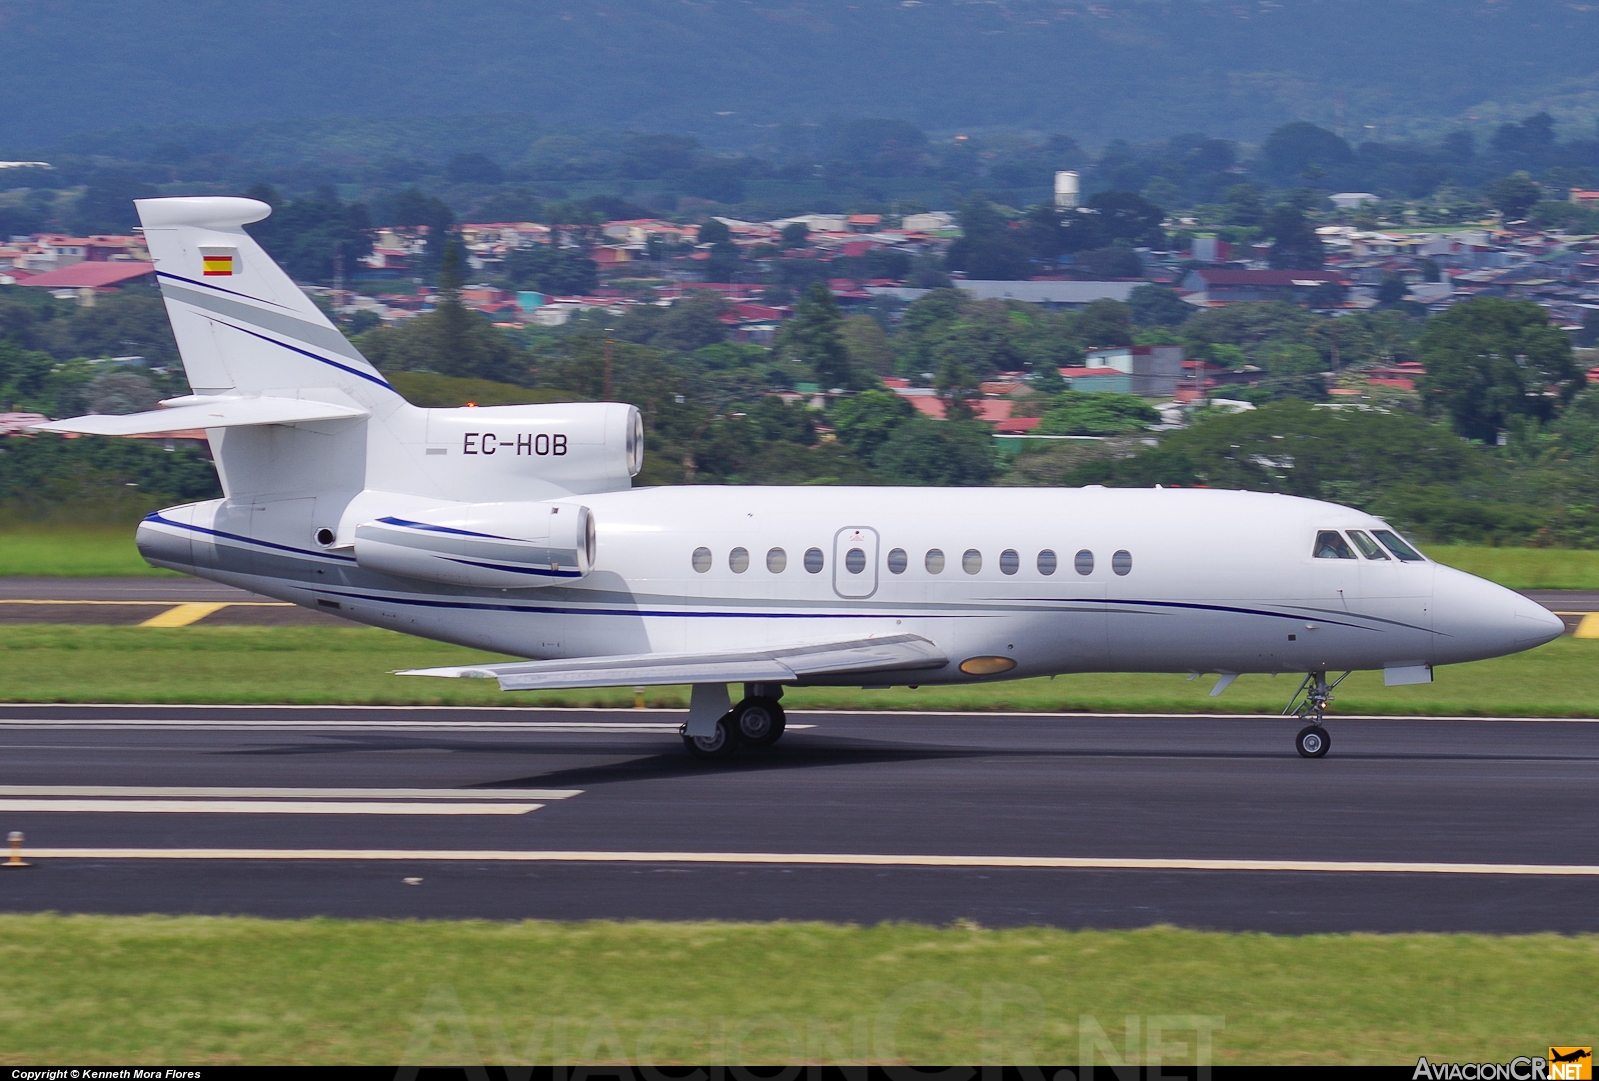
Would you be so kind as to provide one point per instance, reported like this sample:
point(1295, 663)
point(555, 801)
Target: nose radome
point(1535, 624)
point(1475, 619)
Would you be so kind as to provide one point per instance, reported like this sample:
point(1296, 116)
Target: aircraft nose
point(1475, 619)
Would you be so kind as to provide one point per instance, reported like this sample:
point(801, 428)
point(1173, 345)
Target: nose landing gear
point(1310, 703)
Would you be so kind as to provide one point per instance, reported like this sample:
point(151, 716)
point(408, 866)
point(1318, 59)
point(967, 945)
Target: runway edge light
point(15, 837)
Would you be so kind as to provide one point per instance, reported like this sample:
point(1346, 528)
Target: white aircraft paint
point(516, 529)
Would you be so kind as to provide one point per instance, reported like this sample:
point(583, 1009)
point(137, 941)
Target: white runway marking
point(657, 728)
point(263, 807)
point(820, 860)
point(291, 793)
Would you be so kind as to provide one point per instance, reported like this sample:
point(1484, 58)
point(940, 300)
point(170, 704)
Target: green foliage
point(1514, 195)
point(1489, 359)
point(551, 270)
point(1295, 245)
point(1158, 305)
point(692, 323)
point(305, 235)
point(868, 347)
point(813, 337)
point(1102, 264)
point(1104, 323)
point(432, 391)
point(106, 206)
point(105, 479)
point(863, 422)
point(988, 249)
point(949, 452)
point(1077, 413)
point(450, 340)
point(1303, 151)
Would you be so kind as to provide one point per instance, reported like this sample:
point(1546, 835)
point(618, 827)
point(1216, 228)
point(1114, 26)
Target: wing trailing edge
point(788, 664)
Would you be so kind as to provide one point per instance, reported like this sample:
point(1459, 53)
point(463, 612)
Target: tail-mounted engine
point(491, 545)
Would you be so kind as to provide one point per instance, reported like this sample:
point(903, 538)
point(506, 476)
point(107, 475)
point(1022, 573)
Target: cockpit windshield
point(1330, 544)
point(1368, 547)
point(1398, 547)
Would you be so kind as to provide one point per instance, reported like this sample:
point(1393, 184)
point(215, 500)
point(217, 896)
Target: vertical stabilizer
point(241, 324)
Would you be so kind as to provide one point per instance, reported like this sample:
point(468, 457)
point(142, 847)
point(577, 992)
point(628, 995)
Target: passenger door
point(855, 562)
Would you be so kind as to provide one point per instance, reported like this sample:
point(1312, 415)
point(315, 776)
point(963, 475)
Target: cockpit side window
point(1368, 547)
point(1330, 544)
point(1390, 540)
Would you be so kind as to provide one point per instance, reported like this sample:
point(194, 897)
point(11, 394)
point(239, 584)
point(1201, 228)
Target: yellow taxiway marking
point(262, 807)
point(164, 604)
point(183, 615)
point(1589, 627)
point(819, 859)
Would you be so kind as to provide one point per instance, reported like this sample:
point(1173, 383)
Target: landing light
point(987, 666)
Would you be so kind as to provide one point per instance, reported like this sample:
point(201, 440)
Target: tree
point(1514, 195)
point(1243, 205)
point(924, 451)
point(1158, 306)
point(1102, 264)
point(552, 270)
point(988, 249)
point(863, 422)
point(1589, 336)
point(957, 386)
point(116, 393)
point(1392, 290)
point(796, 234)
point(473, 169)
point(1295, 245)
point(106, 206)
point(1076, 413)
point(1303, 151)
point(1491, 359)
point(1104, 323)
point(868, 347)
point(309, 235)
point(814, 337)
point(692, 323)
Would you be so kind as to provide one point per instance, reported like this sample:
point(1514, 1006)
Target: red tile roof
point(91, 275)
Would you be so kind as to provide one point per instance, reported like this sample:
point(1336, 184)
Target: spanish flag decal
point(219, 262)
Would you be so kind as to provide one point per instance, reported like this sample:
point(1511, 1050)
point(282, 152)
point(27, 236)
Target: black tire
point(1312, 742)
point(722, 744)
point(759, 721)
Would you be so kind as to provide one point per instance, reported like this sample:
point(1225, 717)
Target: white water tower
point(1065, 189)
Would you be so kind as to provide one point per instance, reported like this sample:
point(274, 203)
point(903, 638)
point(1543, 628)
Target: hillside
point(730, 71)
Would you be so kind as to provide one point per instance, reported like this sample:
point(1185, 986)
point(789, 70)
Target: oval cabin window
point(702, 559)
point(1084, 562)
point(777, 561)
point(972, 561)
point(813, 560)
point(855, 561)
point(1121, 562)
point(934, 561)
point(897, 561)
point(1046, 562)
point(738, 560)
point(1009, 561)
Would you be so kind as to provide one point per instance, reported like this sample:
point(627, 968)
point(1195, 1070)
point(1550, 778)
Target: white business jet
point(516, 529)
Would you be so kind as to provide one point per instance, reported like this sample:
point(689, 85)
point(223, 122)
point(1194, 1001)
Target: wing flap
point(220, 411)
point(789, 664)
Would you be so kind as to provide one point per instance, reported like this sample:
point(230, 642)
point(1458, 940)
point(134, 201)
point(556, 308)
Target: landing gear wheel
point(1312, 741)
point(759, 721)
point(720, 745)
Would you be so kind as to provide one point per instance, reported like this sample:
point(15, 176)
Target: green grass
point(93, 552)
point(57, 663)
point(73, 552)
point(1524, 568)
point(207, 991)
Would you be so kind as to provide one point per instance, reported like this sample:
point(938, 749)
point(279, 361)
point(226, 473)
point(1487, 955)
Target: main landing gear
point(1310, 703)
point(757, 721)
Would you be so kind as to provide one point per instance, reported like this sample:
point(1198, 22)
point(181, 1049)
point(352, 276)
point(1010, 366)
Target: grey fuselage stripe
point(289, 326)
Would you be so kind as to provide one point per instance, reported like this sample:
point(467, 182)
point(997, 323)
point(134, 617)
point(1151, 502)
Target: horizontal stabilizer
point(790, 664)
point(199, 411)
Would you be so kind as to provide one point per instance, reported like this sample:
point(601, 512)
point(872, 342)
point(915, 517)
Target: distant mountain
point(731, 71)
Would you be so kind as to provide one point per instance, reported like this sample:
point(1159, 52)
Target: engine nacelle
point(534, 452)
point(490, 545)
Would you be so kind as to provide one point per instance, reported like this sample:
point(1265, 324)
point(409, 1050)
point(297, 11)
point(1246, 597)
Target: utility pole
point(608, 342)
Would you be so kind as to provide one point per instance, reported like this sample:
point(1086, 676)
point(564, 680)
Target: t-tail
point(324, 465)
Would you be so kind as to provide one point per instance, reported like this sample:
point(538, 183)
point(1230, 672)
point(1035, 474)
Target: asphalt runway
point(183, 602)
point(1071, 821)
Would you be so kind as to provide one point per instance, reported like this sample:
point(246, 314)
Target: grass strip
point(353, 665)
point(96, 552)
point(218, 991)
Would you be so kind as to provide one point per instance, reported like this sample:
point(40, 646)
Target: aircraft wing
point(788, 664)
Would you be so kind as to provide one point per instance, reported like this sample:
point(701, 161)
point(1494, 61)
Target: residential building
point(1154, 370)
point(1208, 288)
